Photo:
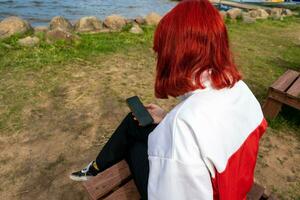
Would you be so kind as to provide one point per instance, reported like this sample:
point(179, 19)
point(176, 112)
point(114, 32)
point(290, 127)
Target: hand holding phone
point(156, 112)
point(139, 111)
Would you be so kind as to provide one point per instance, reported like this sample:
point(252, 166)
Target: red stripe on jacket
point(236, 180)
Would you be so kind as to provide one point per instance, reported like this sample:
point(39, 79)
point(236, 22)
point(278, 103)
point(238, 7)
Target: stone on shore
point(136, 29)
point(13, 25)
point(276, 13)
point(88, 24)
point(41, 29)
point(60, 34)
point(115, 22)
point(234, 13)
point(253, 13)
point(60, 22)
point(248, 19)
point(262, 14)
point(153, 19)
point(287, 12)
point(29, 41)
point(140, 20)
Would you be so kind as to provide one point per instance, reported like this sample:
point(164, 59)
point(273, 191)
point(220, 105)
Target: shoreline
point(74, 10)
point(60, 28)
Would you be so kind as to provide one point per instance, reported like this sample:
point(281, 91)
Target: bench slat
point(115, 184)
point(295, 88)
point(283, 82)
point(285, 99)
point(126, 192)
point(107, 181)
point(256, 192)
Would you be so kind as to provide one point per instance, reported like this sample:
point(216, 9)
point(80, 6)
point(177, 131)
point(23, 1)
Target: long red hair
point(189, 40)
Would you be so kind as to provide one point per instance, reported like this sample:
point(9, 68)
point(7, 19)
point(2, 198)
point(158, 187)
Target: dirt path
point(277, 167)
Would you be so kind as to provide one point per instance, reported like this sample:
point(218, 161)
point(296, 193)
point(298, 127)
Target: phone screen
point(139, 110)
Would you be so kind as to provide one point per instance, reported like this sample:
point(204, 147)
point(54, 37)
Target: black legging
point(129, 142)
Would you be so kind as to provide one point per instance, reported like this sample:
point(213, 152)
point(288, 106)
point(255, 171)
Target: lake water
point(39, 12)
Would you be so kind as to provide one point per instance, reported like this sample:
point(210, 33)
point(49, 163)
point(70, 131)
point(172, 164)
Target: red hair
point(189, 40)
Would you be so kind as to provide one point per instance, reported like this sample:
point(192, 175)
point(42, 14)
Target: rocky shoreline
point(60, 28)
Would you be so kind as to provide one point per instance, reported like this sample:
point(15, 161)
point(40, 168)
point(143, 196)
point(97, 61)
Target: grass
point(14, 56)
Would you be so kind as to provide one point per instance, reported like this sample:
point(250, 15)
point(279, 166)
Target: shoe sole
point(83, 178)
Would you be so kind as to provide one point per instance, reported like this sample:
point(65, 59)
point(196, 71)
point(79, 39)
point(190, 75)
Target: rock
point(29, 41)
point(115, 22)
point(287, 12)
point(234, 13)
point(258, 14)
point(13, 25)
point(60, 34)
point(40, 29)
point(88, 24)
point(276, 13)
point(153, 19)
point(268, 10)
point(60, 22)
point(262, 14)
point(136, 29)
point(253, 13)
point(140, 20)
point(247, 18)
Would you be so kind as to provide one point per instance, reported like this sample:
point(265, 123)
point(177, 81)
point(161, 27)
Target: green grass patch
point(14, 56)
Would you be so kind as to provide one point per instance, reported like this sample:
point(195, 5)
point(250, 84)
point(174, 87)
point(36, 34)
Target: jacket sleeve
point(180, 175)
point(171, 179)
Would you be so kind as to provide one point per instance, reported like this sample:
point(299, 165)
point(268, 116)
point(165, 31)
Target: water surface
point(39, 12)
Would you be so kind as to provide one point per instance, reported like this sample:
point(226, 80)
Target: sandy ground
point(66, 127)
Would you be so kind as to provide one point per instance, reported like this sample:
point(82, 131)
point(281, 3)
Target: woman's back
point(207, 145)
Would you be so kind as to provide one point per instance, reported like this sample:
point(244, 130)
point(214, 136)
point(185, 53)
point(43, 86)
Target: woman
point(206, 146)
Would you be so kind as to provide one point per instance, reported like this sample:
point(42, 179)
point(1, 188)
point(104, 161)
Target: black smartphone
point(139, 111)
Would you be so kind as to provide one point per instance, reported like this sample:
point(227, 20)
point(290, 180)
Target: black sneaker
point(85, 174)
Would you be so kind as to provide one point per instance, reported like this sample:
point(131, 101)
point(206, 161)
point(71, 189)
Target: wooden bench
point(116, 183)
point(285, 90)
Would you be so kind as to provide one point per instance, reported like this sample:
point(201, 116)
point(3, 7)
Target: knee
point(130, 119)
point(129, 116)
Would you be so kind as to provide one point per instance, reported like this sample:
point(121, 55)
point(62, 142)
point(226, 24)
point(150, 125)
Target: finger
point(150, 106)
point(149, 109)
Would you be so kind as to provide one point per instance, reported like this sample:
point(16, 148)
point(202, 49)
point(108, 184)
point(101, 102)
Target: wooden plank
point(126, 192)
point(283, 98)
point(271, 108)
point(244, 6)
point(294, 90)
point(283, 82)
point(256, 192)
point(107, 181)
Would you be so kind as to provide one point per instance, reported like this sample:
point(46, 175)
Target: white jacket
point(206, 146)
